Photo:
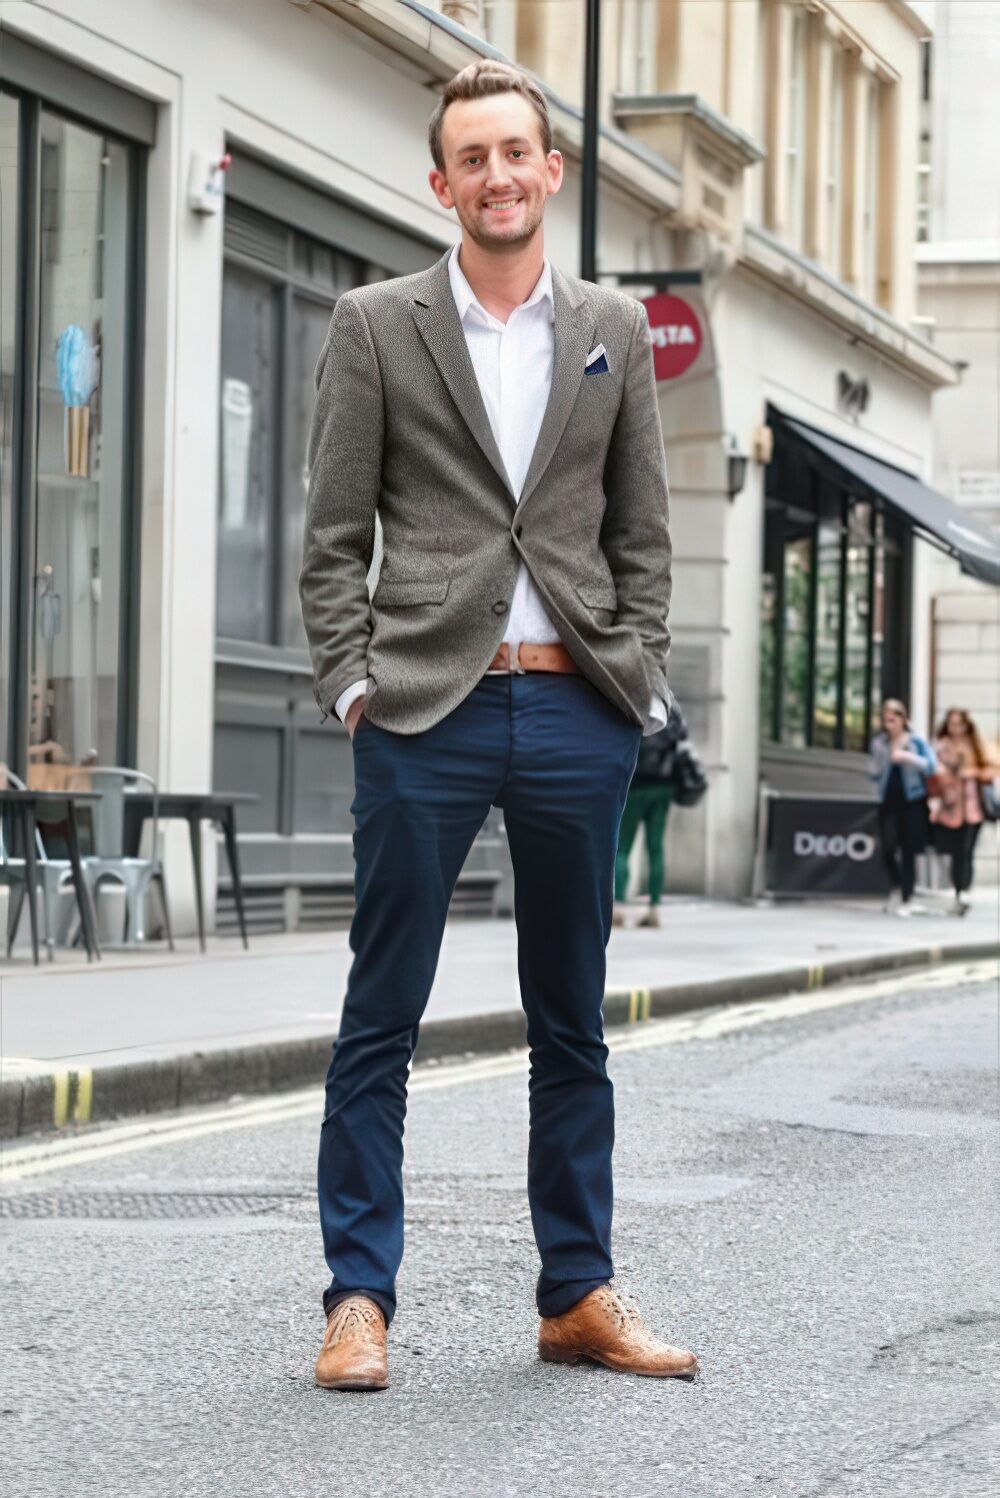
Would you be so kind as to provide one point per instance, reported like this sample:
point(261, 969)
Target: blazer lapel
point(575, 319)
point(440, 326)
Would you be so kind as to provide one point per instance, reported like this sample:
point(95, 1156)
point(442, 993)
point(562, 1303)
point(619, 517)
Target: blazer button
point(500, 607)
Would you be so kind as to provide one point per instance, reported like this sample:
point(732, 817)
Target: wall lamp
point(736, 469)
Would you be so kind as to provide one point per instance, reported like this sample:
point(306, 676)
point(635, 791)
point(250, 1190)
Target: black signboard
point(823, 845)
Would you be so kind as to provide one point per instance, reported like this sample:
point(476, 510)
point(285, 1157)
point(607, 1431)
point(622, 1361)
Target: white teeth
point(507, 203)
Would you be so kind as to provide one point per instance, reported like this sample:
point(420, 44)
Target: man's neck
point(502, 282)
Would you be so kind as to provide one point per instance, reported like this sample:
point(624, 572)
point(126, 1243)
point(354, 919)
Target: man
point(501, 419)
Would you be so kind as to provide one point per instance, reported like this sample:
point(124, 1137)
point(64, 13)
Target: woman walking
point(649, 798)
point(902, 761)
point(957, 813)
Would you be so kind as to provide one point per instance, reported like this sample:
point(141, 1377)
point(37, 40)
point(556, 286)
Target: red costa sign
point(676, 335)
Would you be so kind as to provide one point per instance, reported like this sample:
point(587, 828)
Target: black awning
point(974, 546)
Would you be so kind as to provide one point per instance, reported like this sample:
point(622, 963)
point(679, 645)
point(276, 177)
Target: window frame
point(43, 83)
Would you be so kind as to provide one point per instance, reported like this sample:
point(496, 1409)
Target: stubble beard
point(496, 242)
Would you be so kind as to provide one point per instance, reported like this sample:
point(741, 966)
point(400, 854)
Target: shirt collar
point(466, 299)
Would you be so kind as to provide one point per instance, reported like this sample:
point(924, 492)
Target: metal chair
point(53, 875)
point(109, 861)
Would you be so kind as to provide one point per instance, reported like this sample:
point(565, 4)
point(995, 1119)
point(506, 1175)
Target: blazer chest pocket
point(405, 592)
point(597, 595)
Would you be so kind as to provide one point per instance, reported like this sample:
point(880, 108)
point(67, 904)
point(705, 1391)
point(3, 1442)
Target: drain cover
point(142, 1205)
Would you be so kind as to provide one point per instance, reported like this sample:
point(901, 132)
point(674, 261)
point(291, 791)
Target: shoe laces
point(353, 1318)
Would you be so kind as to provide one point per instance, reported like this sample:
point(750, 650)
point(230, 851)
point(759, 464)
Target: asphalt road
point(810, 1201)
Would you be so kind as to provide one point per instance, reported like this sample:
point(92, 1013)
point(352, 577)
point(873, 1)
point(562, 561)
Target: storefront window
point(798, 576)
point(279, 290)
point(8, 304)
point(82, 449)
point(833, 632)
point(310, 321)
point(250, 373)
point(827, 656)
point(857, 625)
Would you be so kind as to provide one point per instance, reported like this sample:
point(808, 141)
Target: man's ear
point(440, 188)
point(554, 168)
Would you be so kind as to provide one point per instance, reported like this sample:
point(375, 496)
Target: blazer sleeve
point(345, 472)
point(635, 534)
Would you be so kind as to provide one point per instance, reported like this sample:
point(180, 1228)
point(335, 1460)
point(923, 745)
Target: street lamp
point(591, 106)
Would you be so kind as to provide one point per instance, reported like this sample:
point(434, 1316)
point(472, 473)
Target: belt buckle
point(515, 668)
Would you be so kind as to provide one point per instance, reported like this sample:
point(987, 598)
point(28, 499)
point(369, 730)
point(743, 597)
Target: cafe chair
point(108, 861)
point(53, 875)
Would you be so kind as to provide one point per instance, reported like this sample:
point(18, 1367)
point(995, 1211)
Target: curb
point(72, 1098)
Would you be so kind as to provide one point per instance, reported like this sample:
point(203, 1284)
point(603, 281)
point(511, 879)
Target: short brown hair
point(479, 81)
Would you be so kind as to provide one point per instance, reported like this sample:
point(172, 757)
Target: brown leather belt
point(533, 658)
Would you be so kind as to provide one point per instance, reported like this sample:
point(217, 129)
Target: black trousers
point(959, 845)
point(903, 829)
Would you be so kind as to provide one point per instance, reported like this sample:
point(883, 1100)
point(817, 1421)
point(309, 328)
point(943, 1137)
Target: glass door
point(9, 194)
point(81, 471)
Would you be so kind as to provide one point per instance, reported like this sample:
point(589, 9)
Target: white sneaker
point(905, 911)
point(892, 904)
point(960, 907)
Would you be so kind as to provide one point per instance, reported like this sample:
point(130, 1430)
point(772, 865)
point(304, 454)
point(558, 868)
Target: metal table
point(193, 807)
point(53, 808)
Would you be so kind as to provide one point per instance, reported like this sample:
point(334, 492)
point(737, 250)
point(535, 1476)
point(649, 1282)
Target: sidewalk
point(148, 1031)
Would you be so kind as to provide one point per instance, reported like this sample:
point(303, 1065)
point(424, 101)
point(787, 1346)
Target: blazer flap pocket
point(598, 595)
point(400, 592)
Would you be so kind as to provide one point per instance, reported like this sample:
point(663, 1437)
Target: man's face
point(496, 173)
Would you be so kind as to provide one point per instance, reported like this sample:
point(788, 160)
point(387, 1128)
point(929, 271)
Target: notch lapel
point(440, 326)
point(575, 318)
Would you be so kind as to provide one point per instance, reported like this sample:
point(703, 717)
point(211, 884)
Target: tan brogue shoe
point(354, 1354)
point(601, 1328)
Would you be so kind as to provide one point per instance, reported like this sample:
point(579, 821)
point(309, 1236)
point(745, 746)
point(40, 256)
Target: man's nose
point(497, 170)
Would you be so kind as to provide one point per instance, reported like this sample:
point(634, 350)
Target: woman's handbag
point(688, 779)
point(989, 794)
point(935, 785)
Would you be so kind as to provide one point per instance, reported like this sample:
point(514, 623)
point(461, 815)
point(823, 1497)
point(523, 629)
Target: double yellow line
point(638, 1005)
point(72, 1096)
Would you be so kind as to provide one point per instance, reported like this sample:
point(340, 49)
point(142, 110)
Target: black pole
point(588, 192)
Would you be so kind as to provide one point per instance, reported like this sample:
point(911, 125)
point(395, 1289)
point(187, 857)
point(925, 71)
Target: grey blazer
point(400, 428)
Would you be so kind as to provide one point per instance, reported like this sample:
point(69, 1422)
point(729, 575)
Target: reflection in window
point(796, 661)
point(310, 321)
point(249, 419)
point(857, 607)
point(827, 657)
point(279, 290)
point(81, 477)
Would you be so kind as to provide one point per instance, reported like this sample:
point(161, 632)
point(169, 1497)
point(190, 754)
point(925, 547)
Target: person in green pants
point(647, 805)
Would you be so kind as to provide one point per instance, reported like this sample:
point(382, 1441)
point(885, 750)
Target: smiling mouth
point(502, 205)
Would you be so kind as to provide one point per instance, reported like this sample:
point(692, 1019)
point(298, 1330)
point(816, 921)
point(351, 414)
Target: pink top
point(959, 804)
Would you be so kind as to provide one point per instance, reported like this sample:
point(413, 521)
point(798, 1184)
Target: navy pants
point(557, 757)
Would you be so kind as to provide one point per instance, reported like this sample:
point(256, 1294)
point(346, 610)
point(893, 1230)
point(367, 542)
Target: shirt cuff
point(343, 702)
point(657, 717)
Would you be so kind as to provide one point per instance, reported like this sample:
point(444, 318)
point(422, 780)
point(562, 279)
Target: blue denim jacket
point(914, 777)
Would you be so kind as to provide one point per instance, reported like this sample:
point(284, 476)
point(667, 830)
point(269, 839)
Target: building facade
point(958, 261)
point(160, 319)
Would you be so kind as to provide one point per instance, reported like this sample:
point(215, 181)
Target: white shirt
point(513, 365)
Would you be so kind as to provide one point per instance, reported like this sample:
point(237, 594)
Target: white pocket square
point(597, 361)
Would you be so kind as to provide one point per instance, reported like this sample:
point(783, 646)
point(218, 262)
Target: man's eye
point(517, 152)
